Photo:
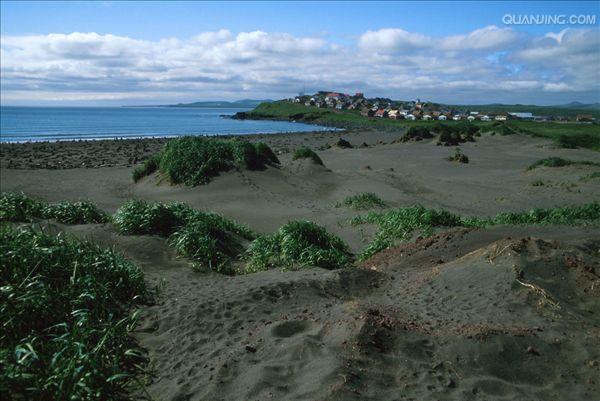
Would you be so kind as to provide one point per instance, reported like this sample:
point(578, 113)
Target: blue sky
point(322, 43)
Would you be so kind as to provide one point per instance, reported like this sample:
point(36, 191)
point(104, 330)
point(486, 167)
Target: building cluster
point(412, 110)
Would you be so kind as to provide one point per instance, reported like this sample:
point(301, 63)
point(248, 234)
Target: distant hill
point(580, 106)
point(250, 103)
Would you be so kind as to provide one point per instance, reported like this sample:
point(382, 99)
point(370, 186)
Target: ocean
point(21, 124)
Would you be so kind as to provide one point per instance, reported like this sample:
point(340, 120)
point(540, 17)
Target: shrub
point(149, 166)
point(366, 200)
point(19, 207)
point(399, 224)
point(298, 243)
point(194, 160)
point(307, 153)
point(65, 322)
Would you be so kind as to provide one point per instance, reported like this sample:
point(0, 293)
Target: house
point(381, 113)
point(485, 117)
point(308, 103)
point(501, 117)
point(410, 117)
point(457, 117)
point(416, 114)
point(367, 112)
point(442, 117)
point(585, 118)
point(332, 96)
point(474, 113)
point(471, 118)
point(426, 117)
point(297, 99)
point(340, 106)
point(393, 114)
point(436, 114)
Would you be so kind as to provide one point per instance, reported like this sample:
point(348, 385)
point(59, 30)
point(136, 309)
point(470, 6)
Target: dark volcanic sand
point(505, 313)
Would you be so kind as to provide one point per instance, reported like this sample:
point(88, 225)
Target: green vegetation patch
point(590, 176)
point(64, 307)
point(416, 133)
point(566, 135)
point(209, 239)
point(453, 134)
point(363, 201)
point(399, 224)
point(18, 207)
point(298, 244)
point(458, 156)
point(560, 162)
point(194, 160)
point(307, 153)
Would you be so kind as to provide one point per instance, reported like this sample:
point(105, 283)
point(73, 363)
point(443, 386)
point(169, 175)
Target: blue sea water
point(20, 124)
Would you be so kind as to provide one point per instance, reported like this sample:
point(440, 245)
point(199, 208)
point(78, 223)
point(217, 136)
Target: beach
point(508, 312)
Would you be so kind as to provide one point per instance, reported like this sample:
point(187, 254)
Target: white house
point(485, 117)
point(457, 118)
point(410, 117)
point(501, 117)
point(442, 117)
point(471, 118)
point(426, 117)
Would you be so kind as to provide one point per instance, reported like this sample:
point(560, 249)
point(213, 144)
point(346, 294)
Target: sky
point(126, 53)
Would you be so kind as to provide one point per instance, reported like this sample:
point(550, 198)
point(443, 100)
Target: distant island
point(222, 104)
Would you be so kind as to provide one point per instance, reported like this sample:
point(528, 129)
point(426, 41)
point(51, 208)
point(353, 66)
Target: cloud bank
point(487, 64)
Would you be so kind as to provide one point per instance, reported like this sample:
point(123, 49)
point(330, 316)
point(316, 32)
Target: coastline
point(128, 152)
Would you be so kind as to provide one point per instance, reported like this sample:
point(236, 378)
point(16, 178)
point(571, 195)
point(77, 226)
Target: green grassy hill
point(567, 134)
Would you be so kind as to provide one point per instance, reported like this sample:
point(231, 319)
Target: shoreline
point(117, 138)
point(127, 152)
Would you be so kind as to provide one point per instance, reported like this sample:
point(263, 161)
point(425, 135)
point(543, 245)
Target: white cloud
point(487, 64)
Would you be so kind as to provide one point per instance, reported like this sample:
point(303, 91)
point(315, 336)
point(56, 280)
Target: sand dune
point(468, 314)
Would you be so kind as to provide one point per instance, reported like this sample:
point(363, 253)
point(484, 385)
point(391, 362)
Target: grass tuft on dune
point(398, 225)
point(560, 162)
point(64, 307)
point(307, 153)
point(298, 244)
point(209, 239)
point(18, 207)
point(195, 160)
point(362, 201)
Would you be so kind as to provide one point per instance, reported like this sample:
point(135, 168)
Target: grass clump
point(590, 176)
point(194, 160)
point(363, 201)
point(149, 166)
point(458, 157)
point(64, 307)
point(559, 162)
point(80, 212)
point(209, 239)
point(298, 244)
point(18, 207)
point(398, 225)
point(307, 153)
point(416, 133)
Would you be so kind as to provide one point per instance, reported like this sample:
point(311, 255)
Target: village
point(417, 110)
